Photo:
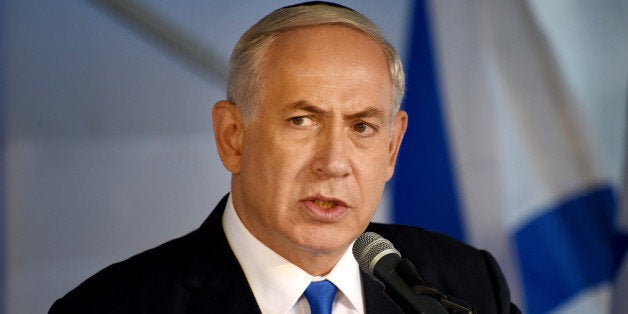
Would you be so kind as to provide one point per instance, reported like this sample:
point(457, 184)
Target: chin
point(327, 241)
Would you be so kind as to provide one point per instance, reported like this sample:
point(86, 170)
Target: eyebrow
point(306, 106)
point(369, 112)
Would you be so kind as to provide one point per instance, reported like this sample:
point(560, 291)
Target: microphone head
point(369, 248)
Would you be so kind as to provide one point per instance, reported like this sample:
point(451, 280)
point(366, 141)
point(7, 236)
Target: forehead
point(328, 43)
point(327, 59)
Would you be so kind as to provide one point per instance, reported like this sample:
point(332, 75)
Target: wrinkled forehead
point(330, 54)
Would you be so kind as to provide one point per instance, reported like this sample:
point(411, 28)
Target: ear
point(399, 129)
point(228, 132)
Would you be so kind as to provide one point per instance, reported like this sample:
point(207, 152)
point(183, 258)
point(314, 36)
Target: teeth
point(324, 204)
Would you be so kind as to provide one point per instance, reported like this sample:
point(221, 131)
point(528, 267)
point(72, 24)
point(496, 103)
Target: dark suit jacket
point(198, 273)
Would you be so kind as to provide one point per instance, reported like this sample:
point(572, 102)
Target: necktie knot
point(320, 295)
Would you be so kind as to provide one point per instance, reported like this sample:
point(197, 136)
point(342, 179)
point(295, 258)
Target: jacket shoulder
point(451, 266)
point(423, 244)
point(165, 279)
point(148, 276)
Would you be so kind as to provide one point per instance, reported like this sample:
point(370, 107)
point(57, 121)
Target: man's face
point(315, 158)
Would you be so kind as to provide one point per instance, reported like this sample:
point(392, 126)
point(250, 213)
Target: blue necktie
point(320, 295)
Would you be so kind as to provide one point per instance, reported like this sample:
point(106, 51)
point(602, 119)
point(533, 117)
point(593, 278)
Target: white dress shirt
point(277, 284)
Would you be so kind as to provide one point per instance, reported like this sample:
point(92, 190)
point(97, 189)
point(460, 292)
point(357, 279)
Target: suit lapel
point(375, 301)
point(214, 275)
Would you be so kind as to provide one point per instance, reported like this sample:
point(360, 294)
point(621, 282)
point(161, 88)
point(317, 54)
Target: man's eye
point(301, 121)
point(364, 129)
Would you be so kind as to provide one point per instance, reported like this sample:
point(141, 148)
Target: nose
point(332, 154)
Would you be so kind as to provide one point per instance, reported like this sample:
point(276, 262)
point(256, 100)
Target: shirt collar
point(346, 276)
point(277, 284)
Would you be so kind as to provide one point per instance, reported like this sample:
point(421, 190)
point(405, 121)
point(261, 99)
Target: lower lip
point(333, 214)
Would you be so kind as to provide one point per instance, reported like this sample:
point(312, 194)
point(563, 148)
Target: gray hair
point(247, 57)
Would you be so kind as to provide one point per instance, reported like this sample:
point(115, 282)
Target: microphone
point(379, 258)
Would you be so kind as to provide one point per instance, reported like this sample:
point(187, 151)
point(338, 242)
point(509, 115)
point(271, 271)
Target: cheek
point(273, 162)
point(374, 165)
point(372, 177)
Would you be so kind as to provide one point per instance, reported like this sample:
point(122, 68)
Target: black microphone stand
point(400, 292)
point(419, 286)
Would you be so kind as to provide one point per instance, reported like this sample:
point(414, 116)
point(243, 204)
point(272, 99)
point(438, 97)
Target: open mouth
point(324, 204)
point(326, 209)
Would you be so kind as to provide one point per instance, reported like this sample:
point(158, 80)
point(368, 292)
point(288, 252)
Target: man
point(310, 133)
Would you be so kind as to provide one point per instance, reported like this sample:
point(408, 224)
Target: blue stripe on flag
point(424, 188)
point(568, 249)
point(621, 247)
